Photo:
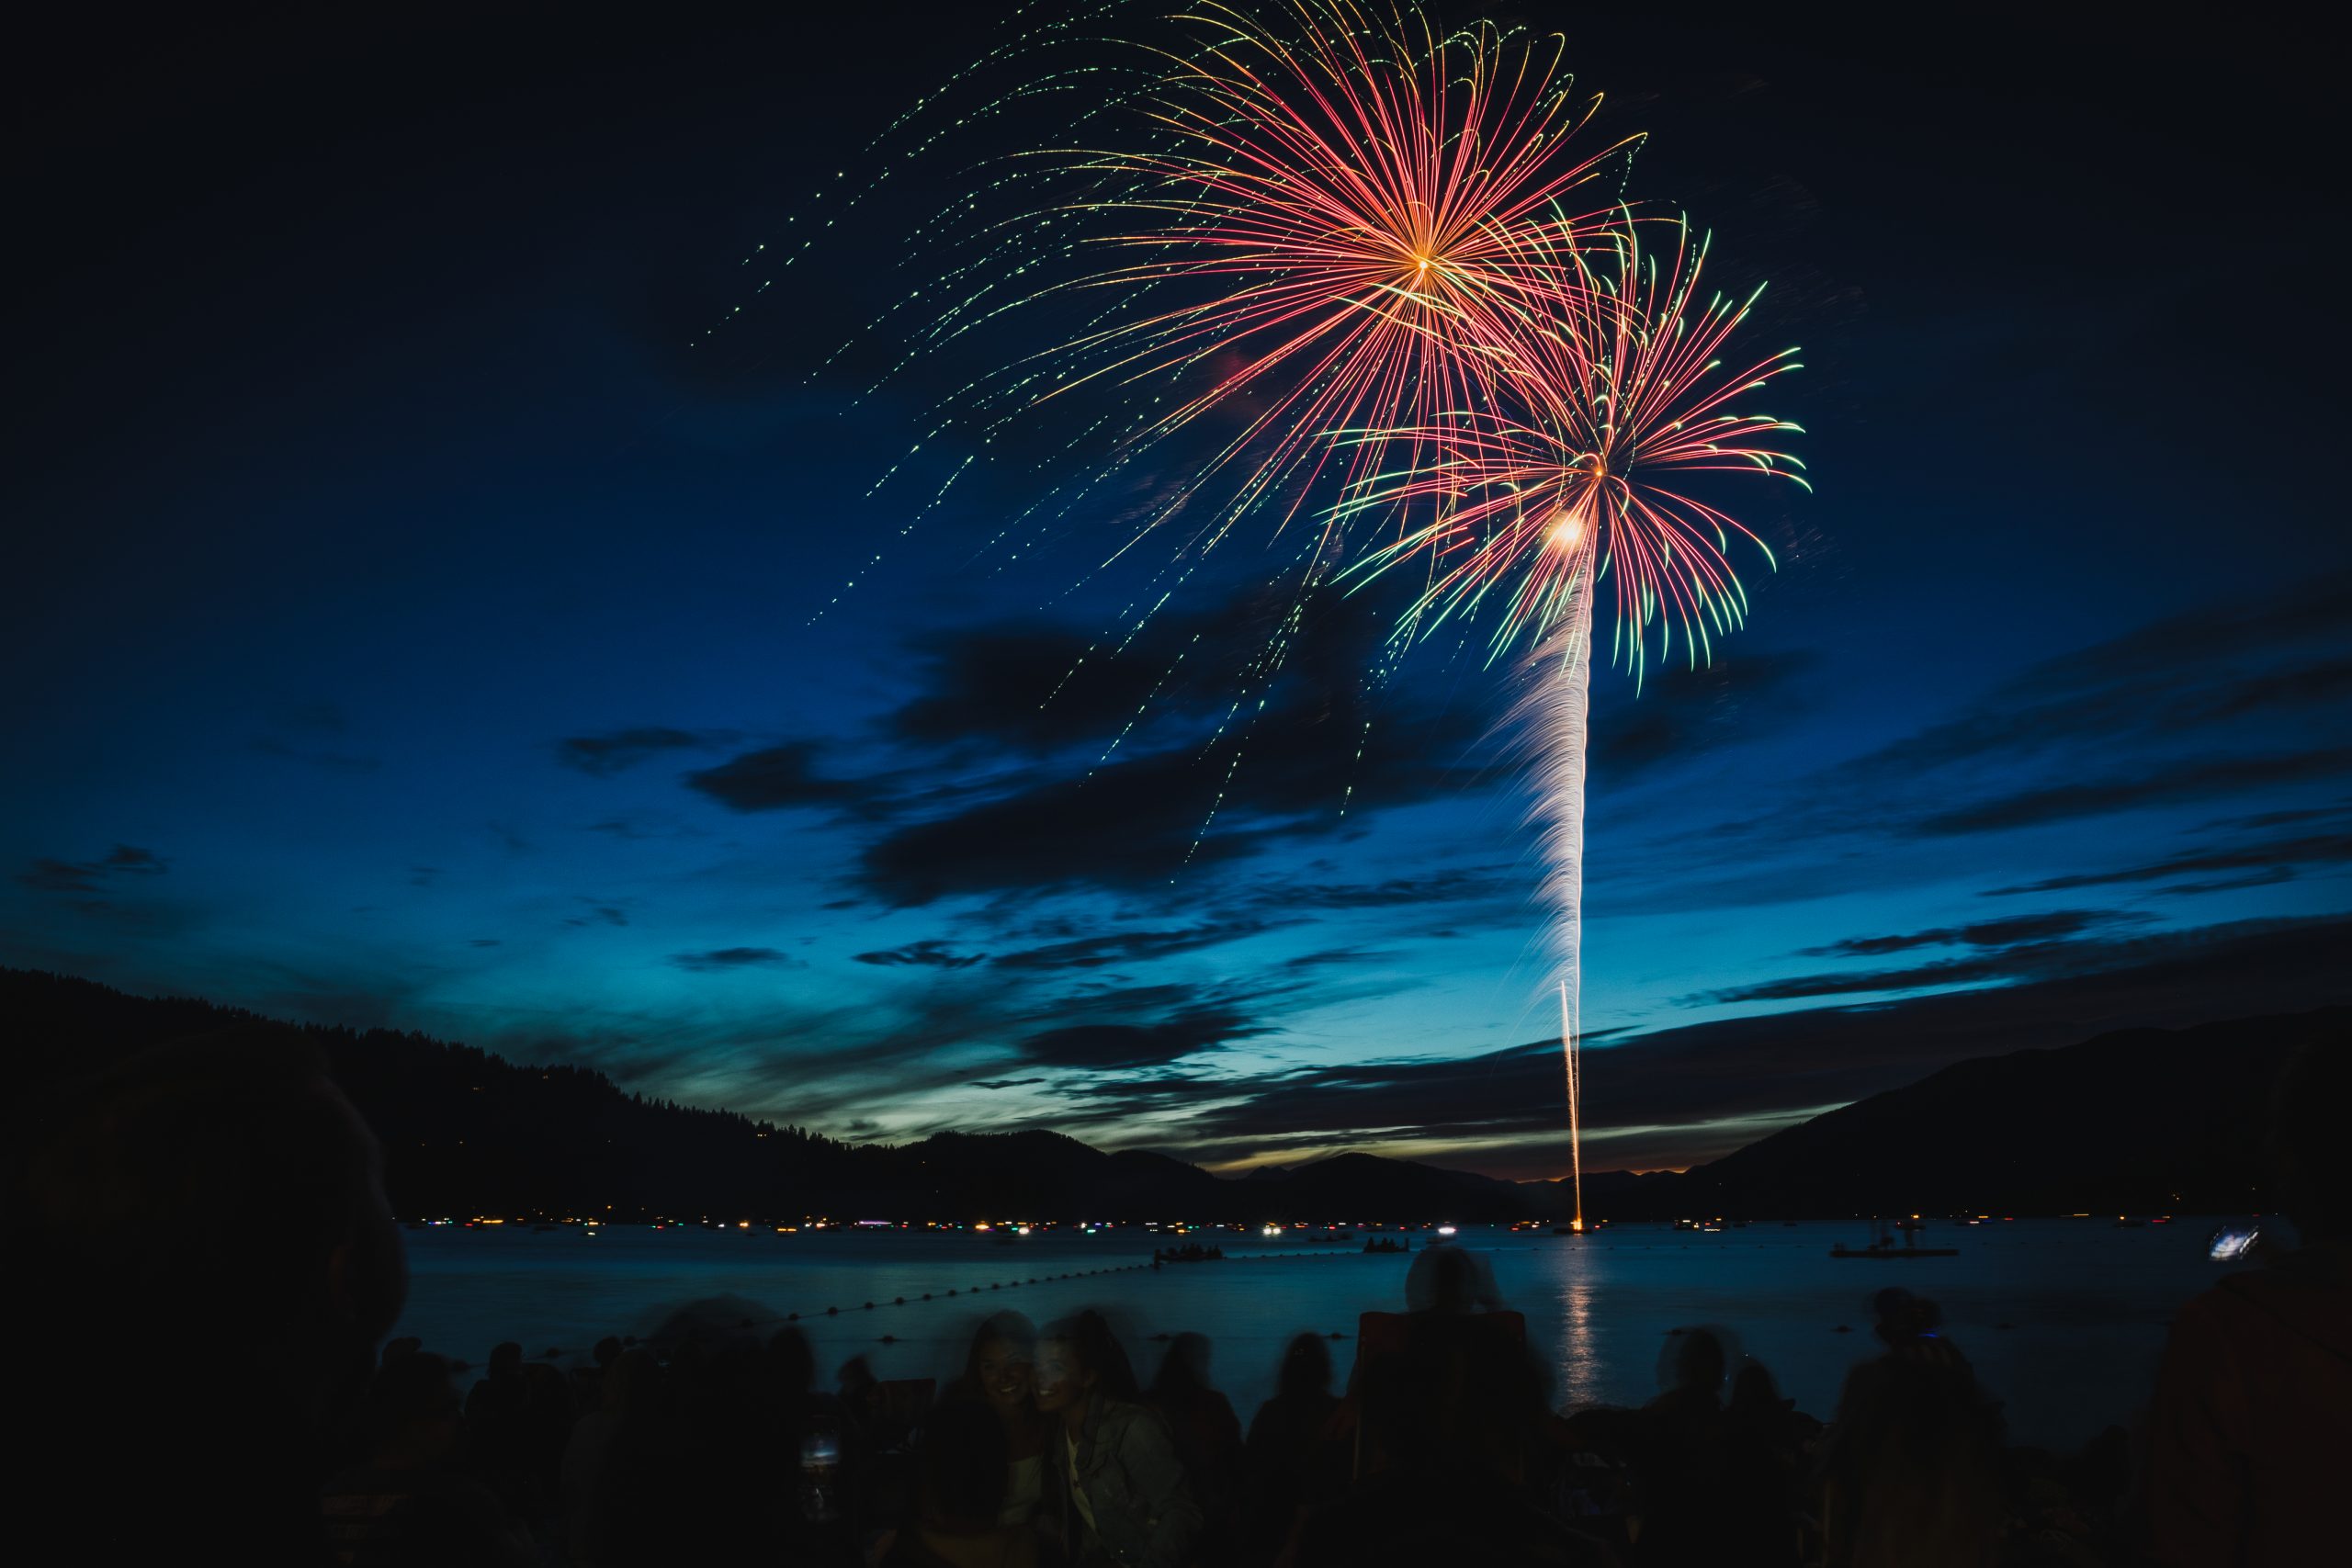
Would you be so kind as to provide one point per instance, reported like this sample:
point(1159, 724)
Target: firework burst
point(1579, 474)
point(1347, 222)
point(1340, 263)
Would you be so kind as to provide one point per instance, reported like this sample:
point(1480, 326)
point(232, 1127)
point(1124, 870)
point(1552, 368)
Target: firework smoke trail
point(1555, 710)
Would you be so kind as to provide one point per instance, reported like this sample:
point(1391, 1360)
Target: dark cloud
point(2010, 965)
point(1437, 887)
point(47, 874)
point(1980, 933)
point(1334, 957)
point(2023, 960)
point(2194, 781)
point(59, 876)
point(2212, 666)
point(1130, 947)
point(931, 953)
point(1684, 712)
point(2191, 708)
point(2285, 818)
point(485, 942)
point(1702, 1090)
point(777, 778)
point(1297, 765)
point(297, 731)
point(1039, 687)
point(318, 717)
point(1124, 1047)
point(422, 875)
point(2280, 855)
point(606, 914)
point(2269, 877)
point(642, 825)
point(317, 757)
point(731, 958)
point(602, 756)
point(1004, 1083)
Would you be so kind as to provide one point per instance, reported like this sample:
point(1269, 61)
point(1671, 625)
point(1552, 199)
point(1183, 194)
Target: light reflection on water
point(1580, 1382)
point(2063, 1318)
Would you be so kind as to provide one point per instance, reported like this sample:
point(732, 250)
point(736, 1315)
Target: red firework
point(1354, 225)
point(1577, 472)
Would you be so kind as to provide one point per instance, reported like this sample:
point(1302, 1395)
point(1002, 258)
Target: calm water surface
point(2063, 1318)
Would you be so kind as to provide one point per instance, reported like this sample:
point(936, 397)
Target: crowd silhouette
point(203, 1386)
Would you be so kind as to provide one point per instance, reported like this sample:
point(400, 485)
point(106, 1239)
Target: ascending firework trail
point(1553, 710)
point(1573, 479)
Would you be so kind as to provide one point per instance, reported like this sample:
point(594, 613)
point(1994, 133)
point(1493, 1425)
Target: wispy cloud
point(722, 959)
point(617, 750)
point(47, 874)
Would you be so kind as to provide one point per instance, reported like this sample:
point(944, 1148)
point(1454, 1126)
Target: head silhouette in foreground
point(221, 1190)
point(2252, 1424)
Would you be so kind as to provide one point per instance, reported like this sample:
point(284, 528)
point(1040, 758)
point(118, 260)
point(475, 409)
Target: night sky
point(415, 590)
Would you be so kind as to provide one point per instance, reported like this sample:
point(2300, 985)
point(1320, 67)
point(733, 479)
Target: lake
point(2064, 1318)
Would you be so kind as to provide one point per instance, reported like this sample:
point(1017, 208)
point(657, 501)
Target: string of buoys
point(974, 1291)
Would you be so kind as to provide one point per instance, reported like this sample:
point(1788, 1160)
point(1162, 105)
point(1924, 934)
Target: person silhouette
point(2251, 1427)
point(224, 1186)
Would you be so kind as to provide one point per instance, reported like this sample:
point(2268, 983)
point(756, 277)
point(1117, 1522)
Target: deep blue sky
point(410, 624)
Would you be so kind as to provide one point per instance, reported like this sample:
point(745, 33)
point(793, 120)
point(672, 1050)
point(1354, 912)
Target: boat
point(1191, 1252)
point(1883, 1244)
point(1890, 1250)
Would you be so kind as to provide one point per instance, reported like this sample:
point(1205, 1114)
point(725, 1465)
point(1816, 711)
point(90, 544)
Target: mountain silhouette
point(2134, 1121)
point(2138, 1121)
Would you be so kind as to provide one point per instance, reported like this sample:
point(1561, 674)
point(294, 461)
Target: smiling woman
point(1120, 1489)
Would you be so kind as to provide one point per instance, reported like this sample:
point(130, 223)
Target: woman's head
point(1699, 1362)
point(1000, 1367)
point(1753, 1391)
point(1079, 1357)
point(1184, 1370)
point(1307, 1367)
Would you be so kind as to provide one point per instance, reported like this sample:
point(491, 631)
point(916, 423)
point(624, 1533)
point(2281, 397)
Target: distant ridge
point(2134, 1121)
point(467, 1133)
point(2139, 1120)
